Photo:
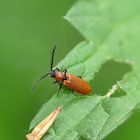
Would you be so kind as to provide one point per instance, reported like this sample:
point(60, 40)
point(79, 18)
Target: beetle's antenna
point(52, 57)
point(40, 79)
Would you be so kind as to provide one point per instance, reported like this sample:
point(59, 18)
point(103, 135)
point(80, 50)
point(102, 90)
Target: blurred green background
point(28, 31)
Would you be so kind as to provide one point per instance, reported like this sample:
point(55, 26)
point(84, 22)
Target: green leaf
point(111, 30)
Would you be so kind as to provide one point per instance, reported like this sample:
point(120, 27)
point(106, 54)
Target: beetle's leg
point(72, 91)
point(55, 82)
point(65, 78)
point(58, 69)
point(79, 77)
point(65, 71)
point(60, 87)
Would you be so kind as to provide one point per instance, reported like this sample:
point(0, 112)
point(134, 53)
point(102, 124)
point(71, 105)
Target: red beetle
point(71, 81)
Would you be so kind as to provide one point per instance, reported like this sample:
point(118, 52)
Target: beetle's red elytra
point(71, 81)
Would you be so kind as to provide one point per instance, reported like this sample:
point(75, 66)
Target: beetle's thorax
point(59, 75)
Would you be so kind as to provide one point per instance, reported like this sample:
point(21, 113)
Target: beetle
point(75, 83)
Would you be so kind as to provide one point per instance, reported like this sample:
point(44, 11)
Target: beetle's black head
point(53, 72)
